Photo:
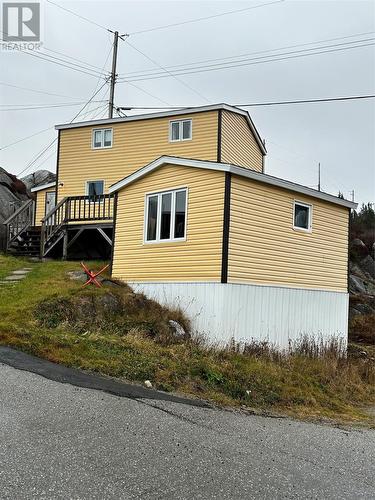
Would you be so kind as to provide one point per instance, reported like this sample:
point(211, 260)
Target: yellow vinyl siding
point(40, 204)
point(196, 259)
point(265, 249)
point(238, 145)
point(135, 144)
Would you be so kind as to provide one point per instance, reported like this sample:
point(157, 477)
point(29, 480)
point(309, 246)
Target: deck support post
point(65, 245)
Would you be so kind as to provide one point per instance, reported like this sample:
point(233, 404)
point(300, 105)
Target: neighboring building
point(199, 224)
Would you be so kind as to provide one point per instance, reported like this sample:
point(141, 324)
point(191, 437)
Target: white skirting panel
point(245, 312)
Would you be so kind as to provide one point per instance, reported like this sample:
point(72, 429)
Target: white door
point(50, 201)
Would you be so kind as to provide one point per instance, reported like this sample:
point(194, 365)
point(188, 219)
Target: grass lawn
point(37, 316)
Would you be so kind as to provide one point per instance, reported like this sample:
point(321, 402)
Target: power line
point(74, 59)
point(78, 15)
point(239, 56)
point(204, 18)
point(38, 91)
point(148, 93)
point(275, 103)
point(49, 106)
point(304, 101)
point(39, 155)
point(249, 62)
point(58, 62)
point(169, 73)
point(25, 138)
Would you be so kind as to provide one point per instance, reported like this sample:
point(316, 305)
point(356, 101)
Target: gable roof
point(175, 112)
point(234, 169)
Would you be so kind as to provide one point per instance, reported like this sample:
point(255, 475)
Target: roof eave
point(42, 186)
point(234, 169)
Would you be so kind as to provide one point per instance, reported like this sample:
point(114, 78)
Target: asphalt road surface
point(58, 440)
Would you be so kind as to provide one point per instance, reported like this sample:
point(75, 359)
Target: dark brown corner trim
point(226, 221)
point(219, 127)
point(113, 232)
point(57, 163)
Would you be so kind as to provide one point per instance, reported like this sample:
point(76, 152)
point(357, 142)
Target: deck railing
point(19, 222)
point(74, 209)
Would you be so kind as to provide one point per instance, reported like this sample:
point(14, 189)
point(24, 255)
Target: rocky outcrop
point(13, 194)
point(362, 293)
point(38, 178)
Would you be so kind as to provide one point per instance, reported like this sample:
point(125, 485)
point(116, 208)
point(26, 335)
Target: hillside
point(362, 275)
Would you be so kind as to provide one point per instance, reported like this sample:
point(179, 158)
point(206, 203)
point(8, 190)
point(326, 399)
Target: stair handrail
point(19, 222)
point(51, 223)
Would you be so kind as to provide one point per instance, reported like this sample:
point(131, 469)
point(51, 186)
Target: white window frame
point(94, 180)
point(159, 194)
point(180, 122)
point(93, 138)
point(310, 207)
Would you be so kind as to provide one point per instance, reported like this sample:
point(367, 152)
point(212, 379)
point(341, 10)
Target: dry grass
point(51, 317)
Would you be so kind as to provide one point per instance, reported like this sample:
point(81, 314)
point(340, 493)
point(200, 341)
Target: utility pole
point(352, 193)
point(319, 176)
point(113, 75)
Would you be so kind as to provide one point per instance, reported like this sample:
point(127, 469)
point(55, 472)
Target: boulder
point(358, 248)
point(38, 178)
point(368, 265)
point(177, 330)
point(356, 285)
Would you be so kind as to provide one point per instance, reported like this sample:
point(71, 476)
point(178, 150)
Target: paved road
point(62, 441)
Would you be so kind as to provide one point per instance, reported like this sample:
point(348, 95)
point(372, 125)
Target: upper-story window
point(302, 216)
point(102, 138)
point(180, 130)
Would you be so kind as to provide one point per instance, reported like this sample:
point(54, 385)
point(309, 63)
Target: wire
point(25, 138)
point(169, 73)
point(78, 15)
point(304, 101)
point(203, 18)
point(74, 59)
point(70, 66)
point(49, 106)
point(39, 155)
point(185, 65)
point(149, 93)
point(250, 62)
point(38, 91)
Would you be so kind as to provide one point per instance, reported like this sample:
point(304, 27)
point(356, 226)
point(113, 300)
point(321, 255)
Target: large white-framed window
point(166, 216)
point(102, 138)
point(180, 130)
point(94, 189)
point(302, 216)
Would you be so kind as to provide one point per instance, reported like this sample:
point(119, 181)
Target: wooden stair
point(27, 243)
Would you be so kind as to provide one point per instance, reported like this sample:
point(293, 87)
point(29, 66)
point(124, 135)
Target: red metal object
point(92, 276)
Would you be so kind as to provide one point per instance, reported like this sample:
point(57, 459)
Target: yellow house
point(248, 255)
point(180, 202)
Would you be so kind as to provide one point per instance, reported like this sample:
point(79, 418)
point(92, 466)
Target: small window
point(102, 138)
point(302, 216)
point(180, 130)
point(94, 189)
point(166, 216)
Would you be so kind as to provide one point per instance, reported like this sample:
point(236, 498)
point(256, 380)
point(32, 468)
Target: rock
point(356, 284)
point(368, 265)
point(38, 178)
point(148, 384)
point(78, 276)
point(177, 329)
point(109, 303)
point(359, 248)
point(85, 309)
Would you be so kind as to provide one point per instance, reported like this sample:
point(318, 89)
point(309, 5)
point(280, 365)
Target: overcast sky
point(340, 135)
